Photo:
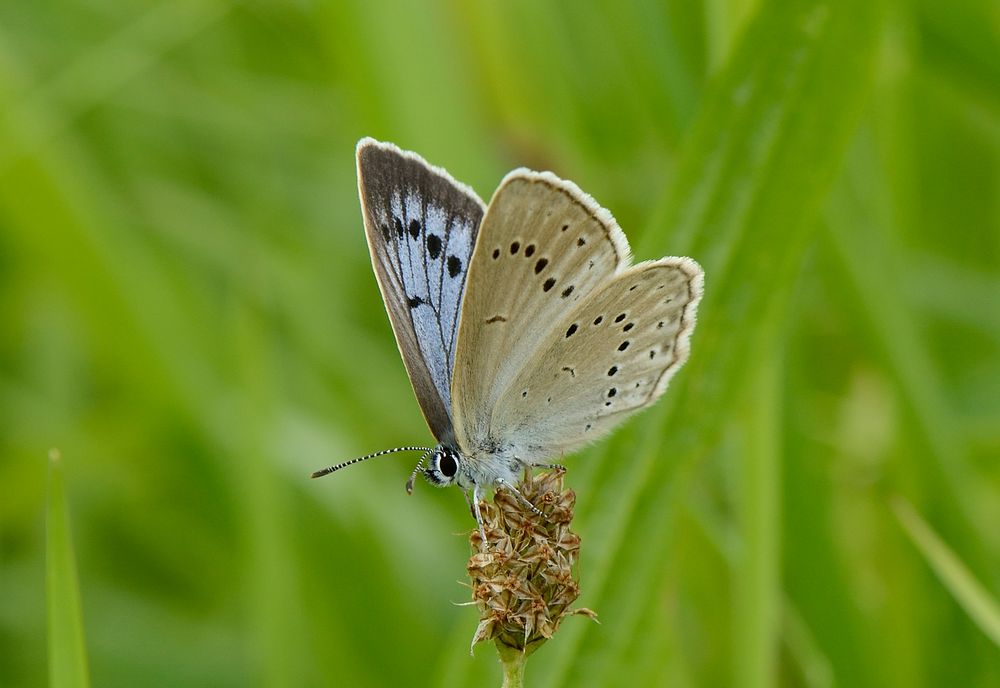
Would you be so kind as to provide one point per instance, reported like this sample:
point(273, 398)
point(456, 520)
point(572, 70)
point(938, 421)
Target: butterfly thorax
point(449, 466)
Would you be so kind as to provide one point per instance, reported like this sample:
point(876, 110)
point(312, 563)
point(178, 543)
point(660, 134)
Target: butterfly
point(526, 330)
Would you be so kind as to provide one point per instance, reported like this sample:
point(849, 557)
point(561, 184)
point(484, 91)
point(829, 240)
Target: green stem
point(512, 661)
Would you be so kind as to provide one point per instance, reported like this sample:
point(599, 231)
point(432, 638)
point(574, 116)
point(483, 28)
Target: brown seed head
point(522, 581)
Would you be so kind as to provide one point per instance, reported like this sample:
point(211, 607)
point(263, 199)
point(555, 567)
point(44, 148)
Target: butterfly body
point(525, 329)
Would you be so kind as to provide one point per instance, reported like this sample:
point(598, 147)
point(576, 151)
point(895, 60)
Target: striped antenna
point(330, 469)
point(416, 471)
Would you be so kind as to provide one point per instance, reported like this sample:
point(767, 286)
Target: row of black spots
point(597, 321)
point(414, 230)
point(529, 251)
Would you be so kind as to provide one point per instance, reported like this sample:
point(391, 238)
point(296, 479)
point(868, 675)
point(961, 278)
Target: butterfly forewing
point(421, 227)
point(609, 357)
point(544, 246)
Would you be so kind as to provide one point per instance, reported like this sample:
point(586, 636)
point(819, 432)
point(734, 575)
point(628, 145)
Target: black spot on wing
point(414, 301)
point(414, 228)
point(454, 266)
point(433, 246)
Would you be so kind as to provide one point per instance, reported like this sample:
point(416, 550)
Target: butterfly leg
point(524, 500)
point(474, 505)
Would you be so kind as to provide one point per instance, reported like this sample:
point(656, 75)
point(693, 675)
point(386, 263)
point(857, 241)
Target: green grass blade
point(970, 594)
point(762, 158)
point(757, 578)
point(67, 647)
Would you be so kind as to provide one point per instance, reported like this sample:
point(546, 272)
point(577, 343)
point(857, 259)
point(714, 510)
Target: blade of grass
point(760, 161)
point(970, 594)
point(67, 646)
point(757, 576)
point(813, 664)
point(269, 567)
point(868, 255)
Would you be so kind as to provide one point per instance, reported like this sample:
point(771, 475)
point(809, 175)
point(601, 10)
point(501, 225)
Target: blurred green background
point(188, 313)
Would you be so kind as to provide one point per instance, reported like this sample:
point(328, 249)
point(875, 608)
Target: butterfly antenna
point(416, 471)
point(330, 469)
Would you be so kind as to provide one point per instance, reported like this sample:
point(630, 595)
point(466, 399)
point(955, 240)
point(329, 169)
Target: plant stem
point(512, 661)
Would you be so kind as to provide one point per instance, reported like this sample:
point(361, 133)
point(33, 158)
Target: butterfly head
point(444, 466)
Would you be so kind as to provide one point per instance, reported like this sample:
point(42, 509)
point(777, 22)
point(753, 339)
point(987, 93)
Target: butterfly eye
point(447, 465)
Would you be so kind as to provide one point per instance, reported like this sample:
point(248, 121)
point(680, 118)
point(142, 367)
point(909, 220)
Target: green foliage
point(67, 650)
point(187, 310)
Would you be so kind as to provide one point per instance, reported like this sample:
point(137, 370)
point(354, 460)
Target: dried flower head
point(522, 581)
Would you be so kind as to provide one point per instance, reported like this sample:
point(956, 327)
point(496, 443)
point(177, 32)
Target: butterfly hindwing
point(612, 355)
point(544, 246)
point(421, 227)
